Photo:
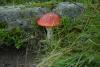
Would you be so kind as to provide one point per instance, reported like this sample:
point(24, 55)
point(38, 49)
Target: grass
point(76, 44)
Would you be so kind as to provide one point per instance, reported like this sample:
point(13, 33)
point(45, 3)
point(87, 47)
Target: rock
point(23, 16)
point(71, 10)
point(20, 16)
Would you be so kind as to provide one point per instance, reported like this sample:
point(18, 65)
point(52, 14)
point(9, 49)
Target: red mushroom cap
point(49, 20)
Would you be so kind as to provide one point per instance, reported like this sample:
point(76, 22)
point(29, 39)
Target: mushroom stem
point(49, 33)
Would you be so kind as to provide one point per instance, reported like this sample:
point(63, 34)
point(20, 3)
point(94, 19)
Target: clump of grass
point(17, 36)
point(11, 38)
point(76, 43)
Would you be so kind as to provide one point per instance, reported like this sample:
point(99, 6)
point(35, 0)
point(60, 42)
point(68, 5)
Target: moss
point(3, 25)
point(44, 4)
point(12, 37)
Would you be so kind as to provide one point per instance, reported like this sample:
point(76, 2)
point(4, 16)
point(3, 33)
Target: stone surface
point(20, 16)
point(68, 9)
point(23, 16)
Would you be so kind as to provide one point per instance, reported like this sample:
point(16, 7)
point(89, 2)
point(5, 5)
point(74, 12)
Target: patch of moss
point(3, 25)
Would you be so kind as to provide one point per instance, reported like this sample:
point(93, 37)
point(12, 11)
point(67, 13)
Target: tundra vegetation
point(76, 43)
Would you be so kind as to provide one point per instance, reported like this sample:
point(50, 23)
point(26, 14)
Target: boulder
point(71, 10)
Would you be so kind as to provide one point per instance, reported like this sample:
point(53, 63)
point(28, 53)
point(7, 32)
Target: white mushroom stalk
point(49, 33)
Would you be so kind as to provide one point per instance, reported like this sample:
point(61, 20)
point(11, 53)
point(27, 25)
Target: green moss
point(15, 36)
point(11, 38)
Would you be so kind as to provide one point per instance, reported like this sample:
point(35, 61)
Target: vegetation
point(76, 43)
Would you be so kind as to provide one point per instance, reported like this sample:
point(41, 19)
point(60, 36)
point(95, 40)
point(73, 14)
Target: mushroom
point(49, 21)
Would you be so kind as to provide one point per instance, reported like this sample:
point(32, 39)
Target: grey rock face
point(38, 12)
point(71, 10)
point(22, 16)
point(16, 16)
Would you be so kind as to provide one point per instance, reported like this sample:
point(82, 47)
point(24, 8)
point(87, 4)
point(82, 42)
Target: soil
point(12, 57)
